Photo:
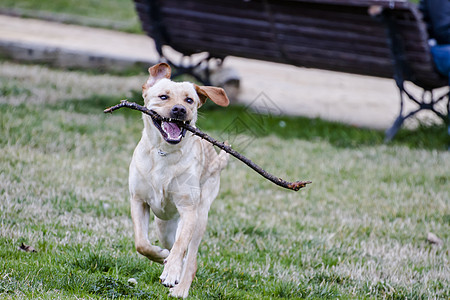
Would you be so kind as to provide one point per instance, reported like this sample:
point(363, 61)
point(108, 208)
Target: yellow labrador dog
point(175, 174)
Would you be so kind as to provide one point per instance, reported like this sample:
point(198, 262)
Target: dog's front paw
point(171, 274)
point(179, 291)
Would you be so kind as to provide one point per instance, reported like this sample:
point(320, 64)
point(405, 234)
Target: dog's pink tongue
point(172, 130)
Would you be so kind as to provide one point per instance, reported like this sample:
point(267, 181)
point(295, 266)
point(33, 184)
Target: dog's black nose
point(178, 112)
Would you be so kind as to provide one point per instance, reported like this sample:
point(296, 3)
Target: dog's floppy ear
point(157, 72)
point(216, 94)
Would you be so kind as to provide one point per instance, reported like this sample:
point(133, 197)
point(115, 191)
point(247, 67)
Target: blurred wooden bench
point(382, 38)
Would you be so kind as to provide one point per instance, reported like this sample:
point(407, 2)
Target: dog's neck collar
point(162, 153)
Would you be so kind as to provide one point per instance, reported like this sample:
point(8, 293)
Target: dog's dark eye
point(189, 100)
point(164, 97)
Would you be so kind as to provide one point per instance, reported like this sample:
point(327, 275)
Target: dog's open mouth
point(171, 129)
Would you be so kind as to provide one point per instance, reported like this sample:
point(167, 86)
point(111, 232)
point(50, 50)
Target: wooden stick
point(297, 185)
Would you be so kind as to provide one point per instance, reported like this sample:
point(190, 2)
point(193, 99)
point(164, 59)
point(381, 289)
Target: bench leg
point(392, 131)
point(448, 116)
point(199, 68)
point(422, 105)
point(401, 71)
point(448, 111)
point(207, 70)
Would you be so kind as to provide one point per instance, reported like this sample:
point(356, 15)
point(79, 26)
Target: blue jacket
point(437, 16)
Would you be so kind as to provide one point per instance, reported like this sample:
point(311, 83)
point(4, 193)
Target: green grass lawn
point(114, 14)
point(358, 231)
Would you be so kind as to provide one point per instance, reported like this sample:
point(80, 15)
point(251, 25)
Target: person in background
point(436, 14)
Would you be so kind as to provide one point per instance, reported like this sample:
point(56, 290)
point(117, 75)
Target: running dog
point(176, 175)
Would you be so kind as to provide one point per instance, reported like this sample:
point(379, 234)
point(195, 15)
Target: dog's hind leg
point(140, 213)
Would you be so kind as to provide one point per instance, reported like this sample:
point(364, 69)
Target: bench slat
point(336, 35)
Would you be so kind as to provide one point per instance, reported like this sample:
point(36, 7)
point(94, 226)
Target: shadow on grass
point(236, 119)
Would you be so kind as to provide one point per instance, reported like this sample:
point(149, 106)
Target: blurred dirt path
point(357, 100)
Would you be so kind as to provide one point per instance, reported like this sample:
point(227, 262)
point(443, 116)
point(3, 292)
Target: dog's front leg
point(174, 262)
point(140, 213)
point(190, 263)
